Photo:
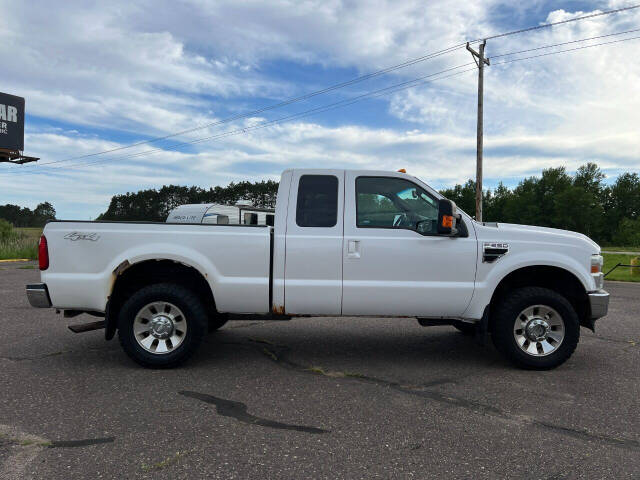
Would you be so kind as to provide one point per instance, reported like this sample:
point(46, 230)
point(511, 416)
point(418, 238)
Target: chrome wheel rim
point(160, 327)
point(539, 330)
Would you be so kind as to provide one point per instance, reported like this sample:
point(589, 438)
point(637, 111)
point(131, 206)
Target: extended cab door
point(313, 263)
point(391, 268)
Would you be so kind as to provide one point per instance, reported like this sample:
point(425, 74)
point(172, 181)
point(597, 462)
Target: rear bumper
point(38, 295)
point(599, 302)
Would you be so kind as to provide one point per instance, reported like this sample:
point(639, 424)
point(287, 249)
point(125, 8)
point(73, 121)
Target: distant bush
point(15, 243)
point(6, 230)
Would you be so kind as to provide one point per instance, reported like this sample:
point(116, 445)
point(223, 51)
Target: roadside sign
point(11, 122)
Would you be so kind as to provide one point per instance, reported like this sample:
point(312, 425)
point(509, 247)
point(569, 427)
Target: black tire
point(218, 321)
point(468, 329)
point(505, 316)
point(194, 313)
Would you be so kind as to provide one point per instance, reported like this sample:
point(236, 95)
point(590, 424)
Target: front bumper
point(38, 295)
point(599, 302)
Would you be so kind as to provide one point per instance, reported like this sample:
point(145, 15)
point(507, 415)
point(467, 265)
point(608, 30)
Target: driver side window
point(388, 202)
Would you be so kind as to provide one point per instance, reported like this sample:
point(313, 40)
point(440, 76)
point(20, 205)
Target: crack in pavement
point(246, 325)
point(34, 357)
point(43, 356)
point(28, 447)
point(631, 343)
point(238, 410)
point(279, 355)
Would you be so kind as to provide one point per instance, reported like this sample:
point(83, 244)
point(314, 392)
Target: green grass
point(31, 232)
point(23, 244)
point(621, 249)
point(622, 274)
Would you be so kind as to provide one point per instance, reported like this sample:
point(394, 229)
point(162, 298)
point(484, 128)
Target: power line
point(564, 43)
point(564, 51)
point(344, 84)
point(561, 22)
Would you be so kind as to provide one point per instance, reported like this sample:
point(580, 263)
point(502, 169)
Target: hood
point(530, 233)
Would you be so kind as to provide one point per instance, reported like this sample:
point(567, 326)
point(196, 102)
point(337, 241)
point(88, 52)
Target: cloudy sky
point(102, 75)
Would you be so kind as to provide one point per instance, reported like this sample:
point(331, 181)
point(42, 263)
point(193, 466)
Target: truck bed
point(85, 258)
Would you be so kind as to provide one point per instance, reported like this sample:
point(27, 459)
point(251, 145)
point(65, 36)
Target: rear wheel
point(535, 328)
point(162, 325)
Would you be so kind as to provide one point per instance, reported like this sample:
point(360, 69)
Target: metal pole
point(478, 57)
point(479, 133)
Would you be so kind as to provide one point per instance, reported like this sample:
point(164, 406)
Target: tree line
point(25, 217)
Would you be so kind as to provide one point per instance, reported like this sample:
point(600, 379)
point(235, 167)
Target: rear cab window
point(317, 204)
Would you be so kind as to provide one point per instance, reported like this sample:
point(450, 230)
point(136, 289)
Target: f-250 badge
point(75, 236)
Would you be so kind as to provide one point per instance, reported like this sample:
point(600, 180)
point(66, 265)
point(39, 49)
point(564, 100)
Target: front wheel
point(162, 325)
point(535, 328)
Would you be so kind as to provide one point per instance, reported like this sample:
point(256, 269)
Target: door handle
point(353, 249)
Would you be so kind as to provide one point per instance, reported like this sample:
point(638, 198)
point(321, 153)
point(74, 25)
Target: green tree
point(464, 196)
point(622, 199)
point(25, 217)
point(43, 213)
point(496, 203)
point(578, 210)
point(628, 233)
point(589, 177)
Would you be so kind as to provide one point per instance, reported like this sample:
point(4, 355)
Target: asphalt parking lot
point(314, 398)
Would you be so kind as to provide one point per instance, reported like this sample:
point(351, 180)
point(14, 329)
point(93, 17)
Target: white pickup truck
point(344, 243)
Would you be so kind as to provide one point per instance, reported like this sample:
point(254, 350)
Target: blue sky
point(98, 76)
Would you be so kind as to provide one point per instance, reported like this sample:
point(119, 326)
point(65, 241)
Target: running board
point(87, 327)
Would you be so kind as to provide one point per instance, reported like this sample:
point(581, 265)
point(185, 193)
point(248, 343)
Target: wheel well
point(131, 279)
point(554, 278)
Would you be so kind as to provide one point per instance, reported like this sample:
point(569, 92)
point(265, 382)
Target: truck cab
point(354, 235)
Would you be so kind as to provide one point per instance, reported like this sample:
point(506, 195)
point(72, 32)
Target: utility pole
point(478, 57)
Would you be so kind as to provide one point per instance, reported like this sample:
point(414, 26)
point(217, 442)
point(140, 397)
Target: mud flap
point(589, 323)
point(87, 327)
point(482, 328)
point(110, 323)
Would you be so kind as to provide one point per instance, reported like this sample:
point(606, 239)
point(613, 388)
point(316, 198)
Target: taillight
point(43, 253)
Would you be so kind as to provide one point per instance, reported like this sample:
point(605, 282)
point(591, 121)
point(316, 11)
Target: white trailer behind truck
point(242, 213)
point(345, 242)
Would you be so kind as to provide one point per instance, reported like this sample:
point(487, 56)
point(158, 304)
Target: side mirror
point(447, 215)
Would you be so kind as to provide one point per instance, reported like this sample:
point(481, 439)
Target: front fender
point(490, 275)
